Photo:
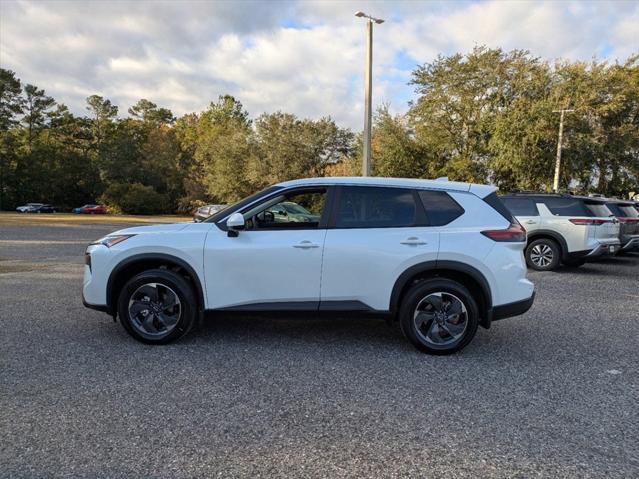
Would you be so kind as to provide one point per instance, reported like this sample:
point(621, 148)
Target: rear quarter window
point(630, 211)
point(495, 202)
point(566, 206)
point(599, 209)
point(440, 208)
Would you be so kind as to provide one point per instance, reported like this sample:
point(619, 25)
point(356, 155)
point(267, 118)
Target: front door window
point(296, 210)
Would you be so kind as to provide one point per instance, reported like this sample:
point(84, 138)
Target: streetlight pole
point(368, 87)
point(555, 185)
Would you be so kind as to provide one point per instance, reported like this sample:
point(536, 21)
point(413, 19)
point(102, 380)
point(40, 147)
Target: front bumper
point(512, 309)
point(103, 308)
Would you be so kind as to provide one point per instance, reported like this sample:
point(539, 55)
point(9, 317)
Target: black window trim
point(241, 205)
point(286, 191)
point(542, 199)
point(329, 214)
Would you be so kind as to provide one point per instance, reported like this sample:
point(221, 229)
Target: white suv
point(440, 257)
point(564, 228)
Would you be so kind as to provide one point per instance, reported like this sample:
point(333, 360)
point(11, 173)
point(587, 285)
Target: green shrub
point(135, 198)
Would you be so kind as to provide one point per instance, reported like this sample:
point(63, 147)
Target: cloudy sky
point(304, 57)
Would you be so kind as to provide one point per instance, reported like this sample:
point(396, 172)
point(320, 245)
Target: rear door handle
point(413, 241)
point(531, 222)
point(305, 245)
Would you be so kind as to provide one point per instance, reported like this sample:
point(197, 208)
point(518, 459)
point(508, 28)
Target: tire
point(421, 302)
point(151, 320)
point(543, 254)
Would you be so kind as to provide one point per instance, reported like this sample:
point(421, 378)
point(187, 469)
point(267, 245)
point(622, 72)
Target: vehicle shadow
point(626, 259)
point(373, 332)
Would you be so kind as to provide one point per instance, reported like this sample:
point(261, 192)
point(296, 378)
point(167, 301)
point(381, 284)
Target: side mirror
point(235, 224)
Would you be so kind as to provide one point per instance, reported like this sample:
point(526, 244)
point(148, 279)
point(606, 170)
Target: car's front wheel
point(439, 316)
point(157, 306)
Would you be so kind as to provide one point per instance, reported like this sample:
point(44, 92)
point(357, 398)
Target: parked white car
point(440, 257)
point(564, 228)
point(204, 212)
point(29, 207)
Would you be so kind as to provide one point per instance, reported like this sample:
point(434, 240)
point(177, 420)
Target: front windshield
point(223, 213)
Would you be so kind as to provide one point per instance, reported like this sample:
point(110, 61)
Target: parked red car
point(93, 209)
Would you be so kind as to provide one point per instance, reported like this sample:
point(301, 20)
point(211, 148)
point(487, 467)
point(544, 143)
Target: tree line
point(485, 116)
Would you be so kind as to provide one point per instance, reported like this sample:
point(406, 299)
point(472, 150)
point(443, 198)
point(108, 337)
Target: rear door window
point(377, 207)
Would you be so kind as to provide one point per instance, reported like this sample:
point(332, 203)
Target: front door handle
point(305, 245)
point(413, 241)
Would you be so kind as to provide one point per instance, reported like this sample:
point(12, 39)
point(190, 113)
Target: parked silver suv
point(628, 217)
point(564, 228)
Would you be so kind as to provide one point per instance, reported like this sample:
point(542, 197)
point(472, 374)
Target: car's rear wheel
point(543, 254)
point(439, 316)
point(157, 306)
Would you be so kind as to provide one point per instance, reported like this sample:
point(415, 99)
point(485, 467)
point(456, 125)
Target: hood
point(163, 228)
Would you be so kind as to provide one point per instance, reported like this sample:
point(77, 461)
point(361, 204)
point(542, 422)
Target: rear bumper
point(632, 245)
point(606, 249)
point(512, 309)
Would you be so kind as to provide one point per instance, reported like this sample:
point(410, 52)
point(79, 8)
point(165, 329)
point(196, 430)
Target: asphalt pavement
point(553, 393)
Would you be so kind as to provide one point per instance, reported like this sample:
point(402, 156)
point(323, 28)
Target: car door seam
point(319, 296)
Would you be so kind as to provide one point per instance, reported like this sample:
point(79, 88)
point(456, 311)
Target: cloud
point(304, 57)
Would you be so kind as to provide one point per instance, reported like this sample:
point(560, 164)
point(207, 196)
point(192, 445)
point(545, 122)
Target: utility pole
point(555, 185)
point(368, 87)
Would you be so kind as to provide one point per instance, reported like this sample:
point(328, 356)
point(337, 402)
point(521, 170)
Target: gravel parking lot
point(553, 393)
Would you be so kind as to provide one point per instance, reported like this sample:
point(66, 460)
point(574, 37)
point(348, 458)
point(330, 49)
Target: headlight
point(112, 240)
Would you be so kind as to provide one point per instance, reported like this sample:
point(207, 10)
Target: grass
point(19, 267)
point(10, 218)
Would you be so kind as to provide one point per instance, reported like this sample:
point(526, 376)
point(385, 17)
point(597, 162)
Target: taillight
point(628, 220)
point(588, 221)
point(514, 234)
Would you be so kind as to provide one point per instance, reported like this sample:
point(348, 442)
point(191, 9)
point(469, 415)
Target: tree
point(460, 98)
point(149, 112)
point(11, 103)
point(102, 113)
point(36, 108)
point(11, 100)
point(395, 151)
point(602, 151)
point(224, 147)
point(289, 148)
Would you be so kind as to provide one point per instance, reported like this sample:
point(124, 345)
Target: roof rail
point(536, 193)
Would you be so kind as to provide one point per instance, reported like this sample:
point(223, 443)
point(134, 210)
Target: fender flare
point(199, 292)
point(427, 266)
point(554, 235)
